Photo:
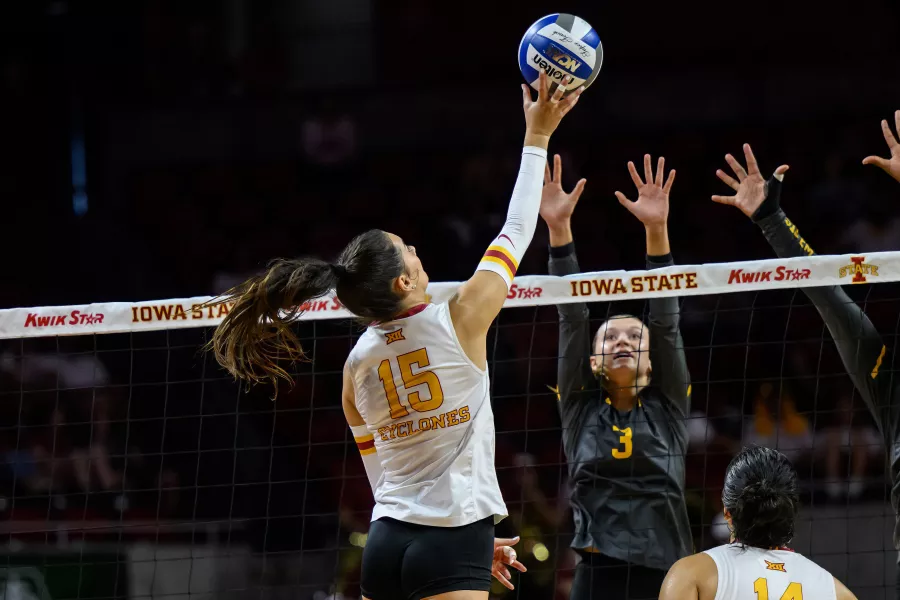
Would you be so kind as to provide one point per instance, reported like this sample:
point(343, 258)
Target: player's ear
point(403, 284)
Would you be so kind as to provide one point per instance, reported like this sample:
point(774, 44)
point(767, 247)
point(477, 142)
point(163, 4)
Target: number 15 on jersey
point(417, 359)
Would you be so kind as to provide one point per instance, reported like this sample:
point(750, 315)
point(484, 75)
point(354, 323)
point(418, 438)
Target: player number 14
point(794, 591)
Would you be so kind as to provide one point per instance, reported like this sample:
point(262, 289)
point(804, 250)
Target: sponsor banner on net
point(529, 290)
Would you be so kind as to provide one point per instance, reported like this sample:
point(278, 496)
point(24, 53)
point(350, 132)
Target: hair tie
point(338, 270)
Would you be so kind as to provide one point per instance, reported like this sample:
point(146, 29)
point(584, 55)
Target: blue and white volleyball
point(561, 44)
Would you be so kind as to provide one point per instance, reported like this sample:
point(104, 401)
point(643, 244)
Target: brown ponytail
point(257, 332)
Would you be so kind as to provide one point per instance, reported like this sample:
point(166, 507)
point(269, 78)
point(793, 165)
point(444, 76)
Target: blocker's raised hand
point(652, 205)
point(543, 115)
point(557, 205)
point(891, 165)
point(750, 187)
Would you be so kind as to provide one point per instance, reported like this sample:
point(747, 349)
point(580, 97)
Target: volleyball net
point(136, 468)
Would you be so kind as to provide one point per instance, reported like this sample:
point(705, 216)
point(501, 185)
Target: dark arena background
point(167, 149)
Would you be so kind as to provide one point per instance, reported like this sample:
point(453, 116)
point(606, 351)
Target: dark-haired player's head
point(761, 498)
point(376, 277)
point(621, 356)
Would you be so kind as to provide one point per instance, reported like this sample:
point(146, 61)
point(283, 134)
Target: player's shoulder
point(697, 572)
point(698, 567)
point(695, 563)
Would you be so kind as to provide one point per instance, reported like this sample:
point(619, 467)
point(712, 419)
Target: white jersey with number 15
point(428, 407)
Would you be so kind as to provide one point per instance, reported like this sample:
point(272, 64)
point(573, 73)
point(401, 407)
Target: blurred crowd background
point(160, 149)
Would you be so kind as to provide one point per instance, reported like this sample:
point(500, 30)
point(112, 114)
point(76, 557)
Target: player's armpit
point(473, 309)
point(841, 591)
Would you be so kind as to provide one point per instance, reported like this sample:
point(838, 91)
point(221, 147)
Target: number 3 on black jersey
point(625, 440)
point(419, 359)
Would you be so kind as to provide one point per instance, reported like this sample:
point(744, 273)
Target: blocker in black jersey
point(861, 348)
point(627, 469)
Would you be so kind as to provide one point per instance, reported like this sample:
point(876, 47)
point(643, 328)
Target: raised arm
point(891, 165)
point(478, 300)
point(859, 344)
point(573, 371)
point(670, 372)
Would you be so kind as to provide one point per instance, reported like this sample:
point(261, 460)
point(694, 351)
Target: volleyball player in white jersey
point(416, 389)
point(761, 501)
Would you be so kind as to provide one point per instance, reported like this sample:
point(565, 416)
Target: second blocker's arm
point(860, 346)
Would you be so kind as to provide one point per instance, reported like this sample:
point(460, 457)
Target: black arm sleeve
point(859, 344)
point(670, 372)
point(573, 370)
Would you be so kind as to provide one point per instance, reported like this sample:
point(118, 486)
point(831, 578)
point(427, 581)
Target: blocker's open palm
point(556, 205)
point(750, 187)
point(891, 165)
point(652, 205)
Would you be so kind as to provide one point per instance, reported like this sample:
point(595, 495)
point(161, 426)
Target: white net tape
point(528, 290)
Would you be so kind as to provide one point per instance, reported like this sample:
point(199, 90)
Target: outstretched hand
point(750, 187)
point(556, 205)
point(891, 165)
point(542, 116)
point(652, 205)
point(505, 556)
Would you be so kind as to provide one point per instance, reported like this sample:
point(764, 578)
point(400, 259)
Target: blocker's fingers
point(752, 166)
point(729, 200)
point(728, 179)
point(782, 170)
point(736, 167)
point(881, 163)
point(669, 182)
point(526, 95)
point(897, 121)
point(892, 142)
point(632, 170)
point(660, 170)
point(624, 201)
point(579, 188)
point(557, 169)
point(547, 176)
point(648, 170)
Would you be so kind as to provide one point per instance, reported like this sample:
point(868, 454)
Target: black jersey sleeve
point(858, 342)
point(573, 369)
point(670, 372)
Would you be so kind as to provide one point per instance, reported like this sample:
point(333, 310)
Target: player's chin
point(621, 370)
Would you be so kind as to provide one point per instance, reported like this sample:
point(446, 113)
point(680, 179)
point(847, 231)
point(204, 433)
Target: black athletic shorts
point(402, 561)
point(599, 576)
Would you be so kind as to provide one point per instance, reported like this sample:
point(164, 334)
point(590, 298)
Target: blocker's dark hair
point(761, 494)
point(257, 332)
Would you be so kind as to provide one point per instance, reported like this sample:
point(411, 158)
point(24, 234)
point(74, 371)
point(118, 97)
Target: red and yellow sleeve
point(508, 248)
point(501, 259)
point(365, 442)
